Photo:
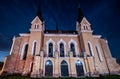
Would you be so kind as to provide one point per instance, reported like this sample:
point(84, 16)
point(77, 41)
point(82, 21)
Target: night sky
point(16, 16)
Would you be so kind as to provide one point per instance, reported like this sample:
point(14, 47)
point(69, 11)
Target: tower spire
point(80, 14)
point(39, 11)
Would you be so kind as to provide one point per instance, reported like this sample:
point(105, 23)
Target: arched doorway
point(79, 68)
point(48, 68)
point(64, 69)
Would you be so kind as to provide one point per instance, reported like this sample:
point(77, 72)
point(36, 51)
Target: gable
point(85, 22)
point(36, 20)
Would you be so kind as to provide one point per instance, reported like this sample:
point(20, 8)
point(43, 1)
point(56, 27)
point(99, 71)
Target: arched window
point(99, 53)
point(50, 49)
point(62, 50)
point(90, 49)
point(79, 68)
point(64, 68)
point(48, 68)
point(72, 48)
point(84, 27)
point(34, 48)
point(36, 26)
point(25, 49)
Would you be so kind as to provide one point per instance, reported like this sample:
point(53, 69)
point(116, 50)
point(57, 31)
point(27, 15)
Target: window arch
point(62, 52)
point(99, 53)
point(34, 48)
point(48, 68)
point(50, 50)
point(52, 47)
point(72, 48)
point(84, 27)
point(64, 68)
point(90, 49)
point(61, 47)
point(24, 51)
point(79, 68)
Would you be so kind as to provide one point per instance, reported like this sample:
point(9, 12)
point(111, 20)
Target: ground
point(23, 77)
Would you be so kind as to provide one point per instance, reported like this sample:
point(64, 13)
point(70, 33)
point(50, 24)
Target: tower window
point(85, 27)
point(36, 26)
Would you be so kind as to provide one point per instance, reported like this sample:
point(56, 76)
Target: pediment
point(85, 22)
point(36, 20)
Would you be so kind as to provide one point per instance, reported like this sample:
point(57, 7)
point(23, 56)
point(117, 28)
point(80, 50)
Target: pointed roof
point(80, 14)
point(39, 12)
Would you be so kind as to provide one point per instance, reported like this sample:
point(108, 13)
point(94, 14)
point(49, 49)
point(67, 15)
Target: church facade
point(47, 53)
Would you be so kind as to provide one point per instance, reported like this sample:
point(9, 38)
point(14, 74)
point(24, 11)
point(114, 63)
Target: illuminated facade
point(53, 53)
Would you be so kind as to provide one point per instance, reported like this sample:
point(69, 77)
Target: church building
point(57, 53)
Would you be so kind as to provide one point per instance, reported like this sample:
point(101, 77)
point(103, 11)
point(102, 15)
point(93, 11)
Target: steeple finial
point(80, 14)
point(39, 11)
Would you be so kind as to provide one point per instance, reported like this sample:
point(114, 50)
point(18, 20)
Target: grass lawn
point(23, 77)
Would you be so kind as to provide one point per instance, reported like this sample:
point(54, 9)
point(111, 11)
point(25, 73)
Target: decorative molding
point(65, 35)
point(24, 34)
point(38, 30)
point(97, 36)
point(86, 31)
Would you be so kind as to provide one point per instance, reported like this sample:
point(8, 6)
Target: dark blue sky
point(16, 15)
